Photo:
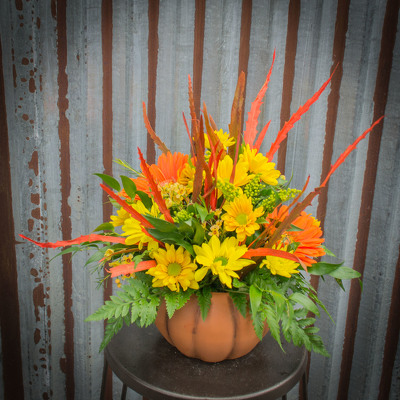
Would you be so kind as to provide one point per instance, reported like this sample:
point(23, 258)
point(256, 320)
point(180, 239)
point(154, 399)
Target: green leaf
point(110, 181)
point(106, 226)
point(145, 198)
point(255, 298)
point(201, 211)
point(240, 302)
point(323, 268)
point(273, 324)
point(305, 302)
point(199, 234)
point(204, 300)
point(161, 225)
point(327, 251)
point(172, 238)
point(129, 186)
point(345, 273)
point(72, 249)
point(96, 257)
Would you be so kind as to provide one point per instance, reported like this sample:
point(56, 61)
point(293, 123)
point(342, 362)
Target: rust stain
point(53, 8)
point(14, 70)
point(34, 163)
point(35, 198)
point(34, 272)
point(38, 299)
point(38, 22)
point(25, 117)
point(36, 336)
point(25, 61)
point(32, 85)
point(42, 351)
point(30, 182)
point(36, 213)
point(31, 255)
point(31, 223)
point(18, 5)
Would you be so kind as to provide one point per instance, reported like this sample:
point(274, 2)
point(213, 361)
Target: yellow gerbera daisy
point(280, 266)
point(257, 163)
point(241, 217)
point(174, 269)
point(223, 259)
point(134, 229)
point(224, 171)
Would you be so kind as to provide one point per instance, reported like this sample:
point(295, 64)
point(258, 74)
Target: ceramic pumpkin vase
point(225, 333)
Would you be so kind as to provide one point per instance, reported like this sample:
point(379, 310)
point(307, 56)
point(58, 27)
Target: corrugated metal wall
point(73, 77)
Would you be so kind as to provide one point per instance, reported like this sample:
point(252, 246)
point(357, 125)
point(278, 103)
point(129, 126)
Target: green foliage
point(204, 300)
point(176, 300)
point(110, 181)
point(134, 303)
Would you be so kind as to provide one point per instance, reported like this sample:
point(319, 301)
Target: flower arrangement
point(222, 219)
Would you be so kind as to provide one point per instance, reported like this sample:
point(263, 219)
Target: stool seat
point(148, 364)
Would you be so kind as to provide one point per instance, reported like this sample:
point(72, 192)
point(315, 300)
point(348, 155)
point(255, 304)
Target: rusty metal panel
point(75, 76)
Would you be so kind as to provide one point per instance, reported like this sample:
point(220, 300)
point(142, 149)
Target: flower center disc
point(174, 269)
point(241, 219)
point(223, 260)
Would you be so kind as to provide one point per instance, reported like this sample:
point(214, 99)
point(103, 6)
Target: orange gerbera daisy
point(309, 238)
point(168, 169)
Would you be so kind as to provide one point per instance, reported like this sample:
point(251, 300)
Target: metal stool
point(148, 364)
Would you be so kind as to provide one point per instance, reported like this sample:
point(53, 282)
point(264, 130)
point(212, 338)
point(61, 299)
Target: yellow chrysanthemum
point(224, 138)
point(256, 163)
point(224, 172)
point(241, 217)
point(280, 266)
point(133, 229)
point(174, 269)
point(119, 219)
point(223, 259)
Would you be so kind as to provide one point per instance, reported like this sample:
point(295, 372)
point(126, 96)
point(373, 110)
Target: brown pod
point(225, 334)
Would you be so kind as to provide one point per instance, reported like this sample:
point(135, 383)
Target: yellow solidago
point(241, 217)
point(174, 269)
point(222, 259)
point(256, 163)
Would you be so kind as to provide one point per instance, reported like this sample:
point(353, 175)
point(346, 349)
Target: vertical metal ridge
point(67, 363)
point(9, 310)
point(392, 337)
point(244, 49)
point(388, 38)
point(199, 23)
point(288, 74)
point(107, 137)
point(339, 45)
point(153, 13)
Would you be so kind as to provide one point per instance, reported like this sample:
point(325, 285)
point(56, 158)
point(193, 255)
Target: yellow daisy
point(280, 266)
point(223, 259)
point(224, 138)
point(133, 229)
point(174, 269)
point(119, 219)
point(257, 163)
point(241, 217)
point(224, 172)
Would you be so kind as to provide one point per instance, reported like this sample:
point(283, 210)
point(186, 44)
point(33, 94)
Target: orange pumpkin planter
point(225, 333)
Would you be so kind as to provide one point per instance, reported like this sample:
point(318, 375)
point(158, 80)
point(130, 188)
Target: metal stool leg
point(304, 384)
point(104, 380)
point(123, 393)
